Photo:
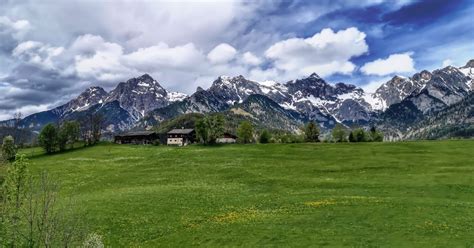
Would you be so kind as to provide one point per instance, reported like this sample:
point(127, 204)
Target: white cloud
point(447, 62)
point(184, 57)
point(16, 28)
point(250, 59)
point(37, 53)
point(222, 53)
point(395, 63)
point(325, 53)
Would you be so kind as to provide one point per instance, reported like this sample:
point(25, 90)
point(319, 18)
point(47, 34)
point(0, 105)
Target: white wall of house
point(175, 141)
point(225, 140)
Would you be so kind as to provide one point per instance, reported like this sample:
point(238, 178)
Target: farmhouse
point(227, 138)
point(138, 138)
point(181, 137)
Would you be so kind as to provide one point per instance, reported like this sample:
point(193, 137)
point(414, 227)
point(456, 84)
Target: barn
point(181, 137)
point(138, 138)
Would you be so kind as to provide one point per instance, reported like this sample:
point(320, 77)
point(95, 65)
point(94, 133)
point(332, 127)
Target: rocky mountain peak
point(469, 64)
point(423, 76)
point(314, 75)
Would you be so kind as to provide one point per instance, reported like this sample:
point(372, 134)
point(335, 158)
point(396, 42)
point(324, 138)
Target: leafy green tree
point(375, 135)
point(210, 128)
point(201, 131)
point(68, 134)
point(265, 137)
point(339, 133)
point(311, 132)
point(360, 135)
point(8, 148)
point(215, 125)
point(48, 138)
point(245, 132)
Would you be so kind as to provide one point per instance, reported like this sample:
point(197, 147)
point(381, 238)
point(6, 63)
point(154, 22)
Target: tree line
point(211, 127)
point(53, 138)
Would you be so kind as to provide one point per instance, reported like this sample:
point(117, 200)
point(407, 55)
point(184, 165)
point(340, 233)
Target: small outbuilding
point(227, 138)
point(138, 138)
point(181, 137)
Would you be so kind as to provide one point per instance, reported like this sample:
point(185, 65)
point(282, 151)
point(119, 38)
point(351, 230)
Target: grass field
point(415, 194)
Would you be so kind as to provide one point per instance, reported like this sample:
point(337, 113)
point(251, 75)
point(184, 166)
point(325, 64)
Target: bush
point(8, 148)
point(156, 142)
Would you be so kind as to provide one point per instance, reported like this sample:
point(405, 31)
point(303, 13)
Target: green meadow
point(407, 194)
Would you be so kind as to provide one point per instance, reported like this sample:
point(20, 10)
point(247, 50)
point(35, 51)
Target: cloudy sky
point(51, 50)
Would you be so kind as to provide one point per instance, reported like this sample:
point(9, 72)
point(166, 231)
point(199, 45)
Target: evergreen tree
point(48, 138)
point(351, 137)
point(8, 148)
point(265, 137)
point(245, 132)
point(311, 132)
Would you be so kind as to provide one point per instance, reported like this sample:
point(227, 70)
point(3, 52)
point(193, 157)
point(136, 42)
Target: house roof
point(137, 133)
point(181, 131)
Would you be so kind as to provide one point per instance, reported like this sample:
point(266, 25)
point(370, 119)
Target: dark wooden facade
point(138, 138)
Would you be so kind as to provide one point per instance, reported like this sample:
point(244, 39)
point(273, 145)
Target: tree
point(48, 138)
point(245, 132)
point(265, 137)
point(14, 190)
point(339, 133)
point(210, 128)
point(375, 135)
point(97, 121)
point(31, 216)
point(68, 134)
point(201, 131)
point(215, 125)
point(311, 132)
point(8, 148)
point(351, 137)
point(360, 135)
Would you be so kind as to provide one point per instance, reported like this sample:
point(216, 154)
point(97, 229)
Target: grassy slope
point(387, 194)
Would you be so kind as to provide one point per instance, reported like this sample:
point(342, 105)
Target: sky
point(52, 50)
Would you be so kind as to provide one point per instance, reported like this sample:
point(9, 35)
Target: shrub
point(8, 148)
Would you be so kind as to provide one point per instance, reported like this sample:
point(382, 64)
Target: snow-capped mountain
point(395, 106)
point(121, 108)
point(141, 95)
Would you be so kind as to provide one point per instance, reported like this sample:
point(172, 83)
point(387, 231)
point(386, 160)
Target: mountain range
point(398, 107)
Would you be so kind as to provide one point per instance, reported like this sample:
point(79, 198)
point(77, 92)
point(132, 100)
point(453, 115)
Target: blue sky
point(53, 50)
